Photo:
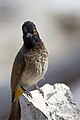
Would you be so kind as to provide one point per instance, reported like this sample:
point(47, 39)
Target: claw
point(40, 90)
point(28, 93)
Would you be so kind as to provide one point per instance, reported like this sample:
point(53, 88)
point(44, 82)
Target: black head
point(30, 34)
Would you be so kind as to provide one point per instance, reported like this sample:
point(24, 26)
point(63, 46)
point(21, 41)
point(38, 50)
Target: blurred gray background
point(58, 23)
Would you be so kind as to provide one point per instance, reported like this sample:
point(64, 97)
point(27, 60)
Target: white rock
point(57, 104)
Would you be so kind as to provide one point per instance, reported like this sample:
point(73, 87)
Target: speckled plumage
point(30, 64)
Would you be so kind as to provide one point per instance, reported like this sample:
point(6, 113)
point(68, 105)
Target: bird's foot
point(27, 92)
point(40, 91)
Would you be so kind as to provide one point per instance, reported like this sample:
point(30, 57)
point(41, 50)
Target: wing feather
point(17, 69)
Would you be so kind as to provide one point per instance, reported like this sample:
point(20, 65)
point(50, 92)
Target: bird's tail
point(15, 113)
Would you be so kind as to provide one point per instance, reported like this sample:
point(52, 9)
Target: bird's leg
point(36, 86)
point(27, 92)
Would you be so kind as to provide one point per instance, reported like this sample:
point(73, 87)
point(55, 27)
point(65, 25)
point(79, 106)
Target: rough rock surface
point(57, 104)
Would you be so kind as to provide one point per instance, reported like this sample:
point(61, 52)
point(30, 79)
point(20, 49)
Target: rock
point(57, 104)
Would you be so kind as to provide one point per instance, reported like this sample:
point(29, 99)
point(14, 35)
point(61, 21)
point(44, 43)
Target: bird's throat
point(28, 43)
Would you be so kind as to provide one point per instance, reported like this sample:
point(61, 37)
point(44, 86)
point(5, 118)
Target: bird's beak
point(29, 35)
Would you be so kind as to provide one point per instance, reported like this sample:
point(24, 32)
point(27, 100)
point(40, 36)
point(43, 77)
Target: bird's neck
point(32, 44)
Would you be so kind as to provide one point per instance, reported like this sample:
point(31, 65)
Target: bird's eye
point(34, 32)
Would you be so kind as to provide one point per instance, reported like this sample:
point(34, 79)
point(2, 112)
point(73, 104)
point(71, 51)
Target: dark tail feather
point(15, 113)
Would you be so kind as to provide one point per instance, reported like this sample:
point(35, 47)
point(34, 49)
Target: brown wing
point(17, 69)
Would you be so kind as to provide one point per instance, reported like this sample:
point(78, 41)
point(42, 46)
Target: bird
point(29, 67)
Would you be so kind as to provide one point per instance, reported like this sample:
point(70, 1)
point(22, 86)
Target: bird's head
point(30, 34)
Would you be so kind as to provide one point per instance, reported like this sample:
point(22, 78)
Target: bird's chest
point(36, 67)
